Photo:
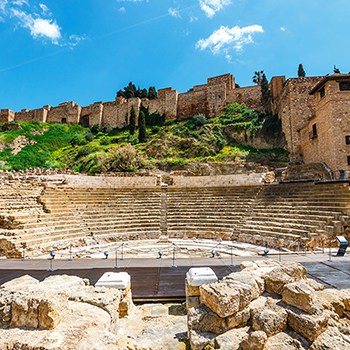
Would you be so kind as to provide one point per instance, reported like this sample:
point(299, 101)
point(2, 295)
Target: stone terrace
point(42, 217)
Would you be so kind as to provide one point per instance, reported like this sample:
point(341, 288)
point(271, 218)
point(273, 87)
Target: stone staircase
point(290, 216)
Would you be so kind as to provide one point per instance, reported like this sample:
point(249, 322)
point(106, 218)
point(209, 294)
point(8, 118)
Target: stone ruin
point(266, 306)
point(269, 306)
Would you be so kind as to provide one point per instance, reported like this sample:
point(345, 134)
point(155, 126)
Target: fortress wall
point(193, 102)
point(297, 107)
point(6, 115)
point(226, 79)
point(154, 106)
point(219, 181)
point(39, 115)
point(250, 95)
point(110, 182)
point(216, 97)
point(276, 88)
point(68, 110)
point(170, 104)
point(114, 115)
point(94, 114)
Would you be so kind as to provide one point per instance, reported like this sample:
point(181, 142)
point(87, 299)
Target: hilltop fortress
point(314, 111)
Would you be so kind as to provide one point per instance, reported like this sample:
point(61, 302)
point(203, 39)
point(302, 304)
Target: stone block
point(255, 341)
point(332, 338)
point(191, 291)
point(221, 298)
point(276, 279)
point(282, 341)
point(308, 326)
point(203, 319)
point(300, 295)
point(197, 276)
point(117, 280)
point(270, 318)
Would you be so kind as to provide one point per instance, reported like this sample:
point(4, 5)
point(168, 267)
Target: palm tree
point(257, 77)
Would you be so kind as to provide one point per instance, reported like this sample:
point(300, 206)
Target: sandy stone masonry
point(270, 306)
point(61, 312)
point(53, 213)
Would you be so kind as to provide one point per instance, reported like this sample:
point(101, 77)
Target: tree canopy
point(130, 91)
point(301, 71)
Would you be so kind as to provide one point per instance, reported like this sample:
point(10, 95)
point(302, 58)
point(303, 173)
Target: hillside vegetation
point(169, 145)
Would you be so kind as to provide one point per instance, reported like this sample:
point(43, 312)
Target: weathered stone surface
point(300, 295)
point(276, 279)
point(255, 341)
point(82, 327)
point(331, 339)
point(239, 319)
point(221, 298)
point(308, 326)
point(200, 340)
point(282, 341)
point(203, 319)
point(270, 318)
point(232, 339)
point(330, 299)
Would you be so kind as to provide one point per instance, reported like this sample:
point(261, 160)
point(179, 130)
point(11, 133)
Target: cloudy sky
point(85, 50)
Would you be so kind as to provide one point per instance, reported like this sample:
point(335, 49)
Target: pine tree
point(132, 122)
point(142, 127)
point(152, 93)
point(301, 71)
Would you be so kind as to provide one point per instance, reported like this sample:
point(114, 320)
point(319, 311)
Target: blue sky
point(85, 50)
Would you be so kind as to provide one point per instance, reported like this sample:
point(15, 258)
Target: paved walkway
point(158, 279)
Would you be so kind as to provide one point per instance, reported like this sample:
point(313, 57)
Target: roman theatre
point(241, 213)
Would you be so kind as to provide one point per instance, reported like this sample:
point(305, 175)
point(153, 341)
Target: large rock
point(31, 309)
point(203, 319)
point(200, 340)
point(270, 318)
point(330, 299)
point(308, 326)
point(221, 298)
point(277, 278)
point(331, 339)
point(255, 341)
point(300, 295)
point(232, 339)
point(233, 294)
point(82, 327)
point(283, 341)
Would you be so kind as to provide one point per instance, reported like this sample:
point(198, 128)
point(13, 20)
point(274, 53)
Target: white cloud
point(283, 29)
point(173, 12)
point(193, 19)
point(224, 39)
point(210, 7)
point(122, 9)
point(45, 9)
point(39, 25)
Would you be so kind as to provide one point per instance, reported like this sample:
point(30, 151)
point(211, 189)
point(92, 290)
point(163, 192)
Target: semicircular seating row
point(56, 217)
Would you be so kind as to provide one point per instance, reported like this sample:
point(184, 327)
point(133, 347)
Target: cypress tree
point(142, 127)
point(265, 91)
point(301, 71)
point(132, 122)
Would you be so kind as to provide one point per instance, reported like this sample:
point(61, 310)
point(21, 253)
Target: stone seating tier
point(286, 215)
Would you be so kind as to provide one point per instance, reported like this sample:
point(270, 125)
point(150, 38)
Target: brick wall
point(296, 108)
point(332, 120)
